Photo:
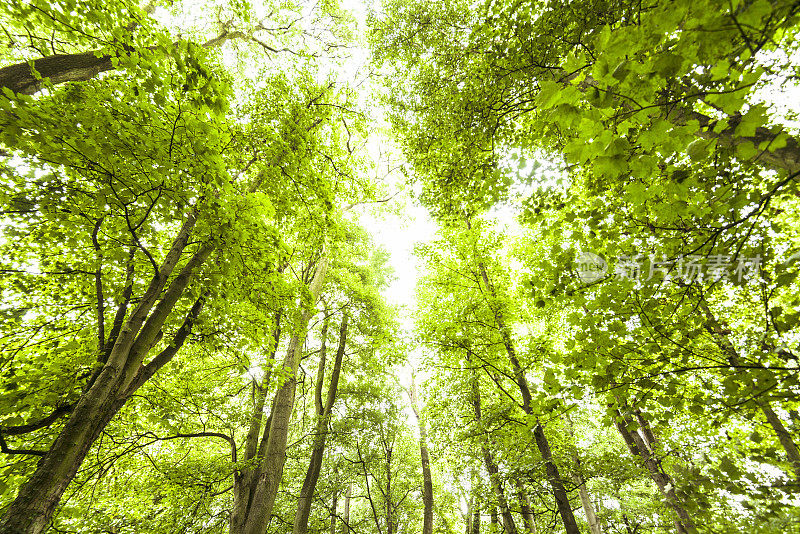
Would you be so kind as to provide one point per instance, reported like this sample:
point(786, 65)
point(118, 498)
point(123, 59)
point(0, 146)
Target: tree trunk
point(77, 67)
point(59, 68)
point(562, 500)
point(580, 482)
point(259, 511)
point(389, 515)
point(664, 482)
point(586, 502)
point(491, 466)
point(334, 504)
point(121, 375)
point(346, 513)
point(468, 517)
point(427, 483)
point(722, 340)
point(320, 434)
point(553, 476)
point(244, 481)
point(476, 520)
point(525, 506)
point(784, 437)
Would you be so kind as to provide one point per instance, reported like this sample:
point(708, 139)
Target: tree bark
point(262, 501)
point(666, 485)
point(586, 502)
point(476, 520)
point(388, 496)
point(491, 466)
point(553, 476)
point(346, 513)
point(334, 504)
point(77, 67)
point(320, 434)
point(121, 375)
point(58, 68)
point(722, 340)
point(468, 517)
point(525, 506)
point(427, 482)
point(580, 482)
point(245, 479)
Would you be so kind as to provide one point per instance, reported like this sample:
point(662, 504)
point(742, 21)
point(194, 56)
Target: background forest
point(201, 332)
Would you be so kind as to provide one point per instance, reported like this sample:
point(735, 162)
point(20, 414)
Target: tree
point(666, 162)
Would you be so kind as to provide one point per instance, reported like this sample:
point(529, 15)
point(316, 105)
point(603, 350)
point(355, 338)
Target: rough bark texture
point(77, 67)
point(58, 68)
point(121, 375)
point(562, 499)
point(320, 435)
point(244, 481)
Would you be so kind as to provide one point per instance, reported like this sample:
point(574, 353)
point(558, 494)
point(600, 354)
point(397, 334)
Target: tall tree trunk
point(580, 482)
point(346, 512)
point(121, 375)
point(320, 433)
point(666, 485)
point(722, 340)
point(525, 506)
point(476, 520)
point(553, 476)
point(244, 481)
point(270, 473)
point(491, 466)
point(586, 502)
point(427, 482)
point(468, 517)
point(334, 504)
point(389, 514)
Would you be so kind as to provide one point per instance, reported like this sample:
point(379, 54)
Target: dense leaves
point(193, 332)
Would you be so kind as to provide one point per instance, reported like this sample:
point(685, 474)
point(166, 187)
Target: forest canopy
point(201, 210)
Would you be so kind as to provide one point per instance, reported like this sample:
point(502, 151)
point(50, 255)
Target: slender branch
point(4, 449)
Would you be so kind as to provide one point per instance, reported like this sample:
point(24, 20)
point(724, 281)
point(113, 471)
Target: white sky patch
point(399, 234)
